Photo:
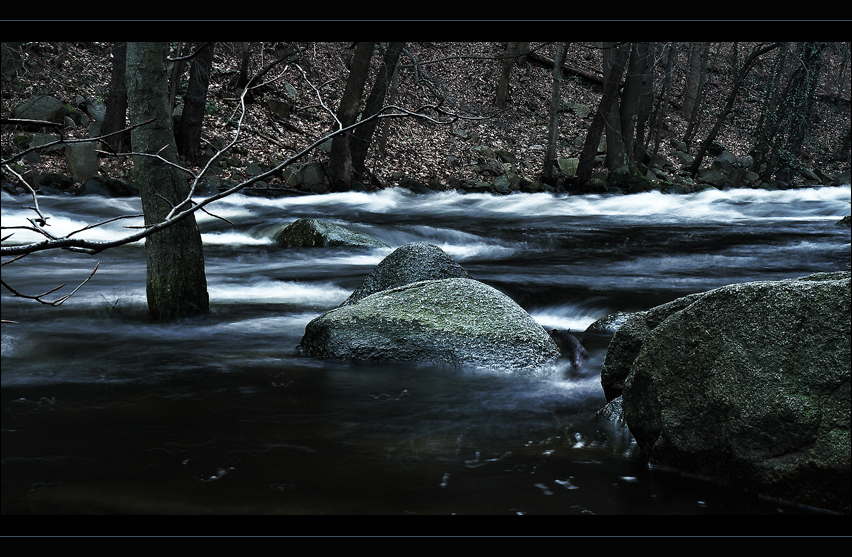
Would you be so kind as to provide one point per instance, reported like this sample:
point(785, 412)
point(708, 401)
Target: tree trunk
point(510, 56)
point(615, 147)
point(693, 113)
point(115, 118)
point(555, 101)
point(363, 136)
point(384, 125)
point(766, 129)
point(340, 161)
point(612, 81)
point(245, 56)
point(634, 102)
point(188, 134)
point(522, 50)
point(183, 49)
point(176, 285)
point(694, 73)
point(646, 101)
point(662, 103)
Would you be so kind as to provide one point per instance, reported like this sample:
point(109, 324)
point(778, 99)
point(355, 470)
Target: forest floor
point(464, 74)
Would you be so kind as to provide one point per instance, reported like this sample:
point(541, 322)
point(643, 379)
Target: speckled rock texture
point(750, 384)
point(456, 321)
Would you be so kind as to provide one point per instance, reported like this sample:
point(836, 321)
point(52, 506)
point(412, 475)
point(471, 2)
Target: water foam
point(306, 294)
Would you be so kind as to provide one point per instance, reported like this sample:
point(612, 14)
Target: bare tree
point(188, 132)
point(176, 284)
point(340, 162)
point(603, 116)
point(662, 100)
point(363, 136)
point(115, 117)
point(635, 106)
point(171, 208)
point(555, 102)
point(697, 76)
point(506, 73)
point(696, 65)
point(798, 106)
point(242, 79)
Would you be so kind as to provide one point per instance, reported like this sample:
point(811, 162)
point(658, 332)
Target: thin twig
point(39, 298)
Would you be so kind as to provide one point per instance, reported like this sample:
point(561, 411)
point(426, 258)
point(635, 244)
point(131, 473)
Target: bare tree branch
point(40, 297)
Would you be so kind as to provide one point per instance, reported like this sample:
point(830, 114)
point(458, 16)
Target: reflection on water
point(104, 412)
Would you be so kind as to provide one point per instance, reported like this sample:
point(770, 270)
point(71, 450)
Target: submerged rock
point(410, 263)
point(750, 384)
point(456, 321)
point(316, 233)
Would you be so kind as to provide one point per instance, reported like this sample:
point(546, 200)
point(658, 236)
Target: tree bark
point(183, 49)
point(115, 117)
point(384, 125)
point(363, 136)
point(646, 102)
point(340, 161)
point(188, 134)
point(176, 285)
point(555, 101)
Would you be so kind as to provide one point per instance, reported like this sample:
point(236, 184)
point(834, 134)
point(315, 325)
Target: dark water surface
point(104, 412)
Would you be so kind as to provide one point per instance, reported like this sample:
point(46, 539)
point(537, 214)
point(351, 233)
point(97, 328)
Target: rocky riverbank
point(497, 170)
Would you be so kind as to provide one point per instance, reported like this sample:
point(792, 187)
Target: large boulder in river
point(410, 263)
point(456, 321)
point(750, 385)
point(317, 233)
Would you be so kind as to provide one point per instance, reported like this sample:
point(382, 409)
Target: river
point(105, 412)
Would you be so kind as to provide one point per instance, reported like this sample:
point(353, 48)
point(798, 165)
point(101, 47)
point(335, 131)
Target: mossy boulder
point(630, 334)
point(455, 321)
point(749, 384)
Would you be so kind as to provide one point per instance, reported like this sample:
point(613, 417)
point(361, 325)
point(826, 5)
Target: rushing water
point(105, 412)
